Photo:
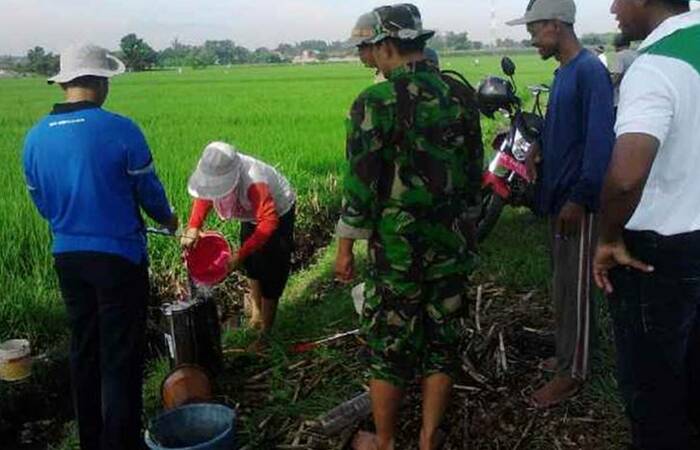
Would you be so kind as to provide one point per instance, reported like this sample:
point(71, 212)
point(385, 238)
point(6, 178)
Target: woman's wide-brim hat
point(217, 173)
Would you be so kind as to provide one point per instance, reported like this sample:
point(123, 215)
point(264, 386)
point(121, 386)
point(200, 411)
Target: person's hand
point(172, 224)
point(569, 220)
point(345, 267)
point(189, 238)
point(610, 255)
point(234, 263)
point(533, 158)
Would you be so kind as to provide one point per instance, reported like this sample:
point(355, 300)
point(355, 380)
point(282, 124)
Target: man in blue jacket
point(89, 173)
point(576, 148)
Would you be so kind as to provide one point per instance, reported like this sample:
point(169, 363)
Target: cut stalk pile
point(502, 347)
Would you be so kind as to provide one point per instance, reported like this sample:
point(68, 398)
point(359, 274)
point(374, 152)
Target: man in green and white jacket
point(648, 256)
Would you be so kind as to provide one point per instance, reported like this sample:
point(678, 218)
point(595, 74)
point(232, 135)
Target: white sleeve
point(647, 99)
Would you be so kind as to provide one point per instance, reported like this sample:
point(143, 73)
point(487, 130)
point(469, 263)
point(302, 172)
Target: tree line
point(138, 55)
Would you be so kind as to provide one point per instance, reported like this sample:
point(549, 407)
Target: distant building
point(343, 59)
point(307, 56)
point(4, 73)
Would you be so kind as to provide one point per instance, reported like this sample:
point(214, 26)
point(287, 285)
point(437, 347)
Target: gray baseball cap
point(401, 21)
point(365, 30)
point(538, 10)
point(86, 59)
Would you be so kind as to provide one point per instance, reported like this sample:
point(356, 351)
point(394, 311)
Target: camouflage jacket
point(415, 159)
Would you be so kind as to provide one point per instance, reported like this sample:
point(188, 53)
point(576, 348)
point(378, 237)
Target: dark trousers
point(571, 291)
point(106, 299)
point(657, 334)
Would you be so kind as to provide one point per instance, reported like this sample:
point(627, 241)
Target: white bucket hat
point(87, 59)
point(217, 173)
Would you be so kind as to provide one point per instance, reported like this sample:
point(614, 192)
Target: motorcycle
point(507, 180)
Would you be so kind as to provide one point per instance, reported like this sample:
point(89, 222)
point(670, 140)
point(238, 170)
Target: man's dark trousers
point(657, 333)
point(106, 298)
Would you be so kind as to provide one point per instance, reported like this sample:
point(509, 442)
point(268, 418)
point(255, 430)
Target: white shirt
point(236, 205)
point(659, 97)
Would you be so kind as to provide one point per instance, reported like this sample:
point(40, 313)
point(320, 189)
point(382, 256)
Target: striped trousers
point(571, 292)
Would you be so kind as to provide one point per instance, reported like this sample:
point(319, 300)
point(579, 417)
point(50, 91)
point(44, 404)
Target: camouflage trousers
point(412, 336)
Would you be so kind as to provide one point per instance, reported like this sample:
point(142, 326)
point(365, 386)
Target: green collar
point(683, 44)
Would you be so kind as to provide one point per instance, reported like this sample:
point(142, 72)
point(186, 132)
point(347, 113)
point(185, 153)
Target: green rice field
point(289, 116)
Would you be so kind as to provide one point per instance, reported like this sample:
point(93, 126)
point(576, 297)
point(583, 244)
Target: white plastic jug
point(15, 360)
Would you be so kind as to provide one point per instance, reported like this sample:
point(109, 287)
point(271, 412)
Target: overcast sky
point(55, 24)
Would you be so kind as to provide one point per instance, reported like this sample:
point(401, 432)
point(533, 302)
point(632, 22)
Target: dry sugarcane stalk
point(528, 296)
point(297, 365)
point(526, 431)
point(536, 331)
point(256, 387)
point(465, 425)
point(315, 382)
point(297, 390)
point(312, 433)
point(345, 414)
point(459, 387)
point(261, 375)
point(468, 367)
point(297, 436)
point(477, 318)
point(502, 346)
point(236, 351)
point(264, 422)
point(488, 305)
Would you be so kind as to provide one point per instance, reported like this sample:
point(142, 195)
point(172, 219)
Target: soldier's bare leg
point(436, 397)
point(386, 401)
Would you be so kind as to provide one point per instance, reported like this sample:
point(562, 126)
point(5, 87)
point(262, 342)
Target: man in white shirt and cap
point(648, 256)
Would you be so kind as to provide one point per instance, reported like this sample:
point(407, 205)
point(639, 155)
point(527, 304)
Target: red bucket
point(207, 261)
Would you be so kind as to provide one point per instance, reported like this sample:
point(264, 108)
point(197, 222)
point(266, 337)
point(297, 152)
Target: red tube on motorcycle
point(497, 184)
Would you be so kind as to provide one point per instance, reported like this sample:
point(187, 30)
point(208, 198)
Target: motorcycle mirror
point(508, 66)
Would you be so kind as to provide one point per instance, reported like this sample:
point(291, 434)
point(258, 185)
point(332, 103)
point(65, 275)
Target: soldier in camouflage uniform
point(412, 190)
point(363, 32)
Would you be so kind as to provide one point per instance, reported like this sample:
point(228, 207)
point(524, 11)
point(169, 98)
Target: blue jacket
point(579, 135)
point(89, 172)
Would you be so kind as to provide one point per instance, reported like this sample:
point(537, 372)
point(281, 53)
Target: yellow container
point(15, 360)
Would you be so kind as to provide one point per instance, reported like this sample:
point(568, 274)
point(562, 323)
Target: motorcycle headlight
point(521, 147)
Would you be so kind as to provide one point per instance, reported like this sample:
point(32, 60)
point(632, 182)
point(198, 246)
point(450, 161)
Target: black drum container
point(194, 334)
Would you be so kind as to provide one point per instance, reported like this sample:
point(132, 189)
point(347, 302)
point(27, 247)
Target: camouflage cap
point(401, 21)
point(365, 30)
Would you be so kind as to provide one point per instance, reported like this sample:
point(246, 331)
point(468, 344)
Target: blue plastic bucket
point(202, 426)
